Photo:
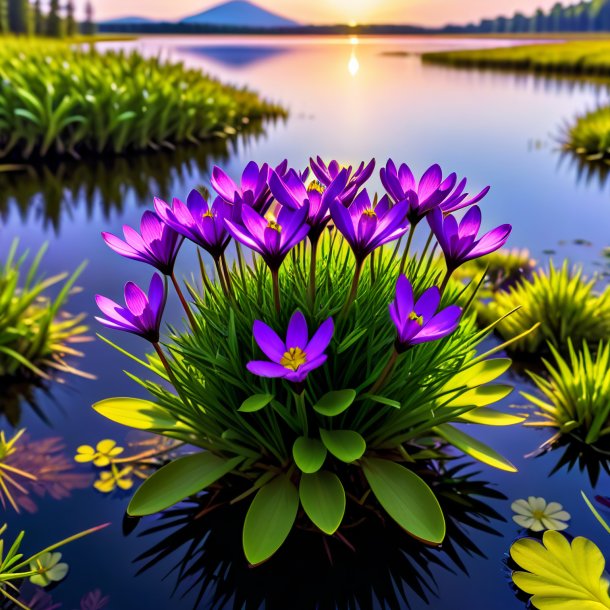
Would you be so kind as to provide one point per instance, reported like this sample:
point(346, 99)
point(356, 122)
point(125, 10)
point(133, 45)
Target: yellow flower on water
point(536, 515)
point(102, 455)
point(110, 479)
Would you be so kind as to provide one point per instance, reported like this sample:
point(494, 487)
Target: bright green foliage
point(560, 575)
point(562, 301)
point(576, 393)
point(328, 442)
point(35, 334)
point(589, 135)
point(56, 99)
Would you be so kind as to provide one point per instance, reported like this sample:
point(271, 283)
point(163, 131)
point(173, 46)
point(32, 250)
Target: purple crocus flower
point(459, 241)
point(253, 190)
point(157, 244)
point(366, 227)
point(142, 314)
point(291, 192)
point(419, 322)
point(199, 222)
point(459, 199)
point(327, 173)
point(423, 196)
point(272, 238)
point(295, 358)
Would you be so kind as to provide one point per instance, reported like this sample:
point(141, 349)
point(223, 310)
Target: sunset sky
point(424, 12)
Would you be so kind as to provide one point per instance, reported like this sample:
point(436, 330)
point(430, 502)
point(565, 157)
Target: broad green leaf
point(255, 403)
point(474, 448)
point(270, 519)
point(179, 479)
point(406, 498)
point(136, 413)
point(309, 454)
point(560, 575)
point(335, 403)
point(479, 374)
point(491, 417)
point(481, 396)
point(323, 499)
point(345, 445)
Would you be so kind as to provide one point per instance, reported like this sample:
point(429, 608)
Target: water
point(350, 99)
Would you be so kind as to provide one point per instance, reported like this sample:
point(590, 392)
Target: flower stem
point(372, 265)
point(227, 275)
point(385, 374)
point(166, 365)
point(446, 280)
point(275, 278)
point(312, 270)
point(187, 309)
point(405, 254)
point(220, 276)
point(354, 289)
point(424, 252)
point(302, 411)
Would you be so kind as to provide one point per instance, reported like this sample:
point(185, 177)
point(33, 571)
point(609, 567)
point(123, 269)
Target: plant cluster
point(59, 99)
point(316, 369)
point(562, 301)
point(35, 333)
point(589, 135)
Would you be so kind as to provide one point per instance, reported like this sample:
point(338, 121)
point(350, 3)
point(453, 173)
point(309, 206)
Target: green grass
point(57, 99)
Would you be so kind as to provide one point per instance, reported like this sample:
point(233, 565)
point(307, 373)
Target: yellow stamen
point(371, 213)
point(208, 214)
point(293, 358)
point(416, 318)
point(272, 224)
point(316, 185)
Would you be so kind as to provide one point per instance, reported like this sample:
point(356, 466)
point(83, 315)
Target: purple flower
point(196, 220)
point(298, 356)
point(459, 199)
point(157, 244)
point(419, 322)
point(459, 242)
point(326, 174)
point(253, 190)
point(272, 238)
point(366, 227)
point(143, 313)
point(424, 196)
point(291, 192)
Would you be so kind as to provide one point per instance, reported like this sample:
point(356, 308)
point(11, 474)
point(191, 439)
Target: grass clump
point(589, 135)
point(60, 99)
point(562, 301)
point(35, 334)
point(576, 393)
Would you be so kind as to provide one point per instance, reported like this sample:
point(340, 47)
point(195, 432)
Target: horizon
point(426, 13)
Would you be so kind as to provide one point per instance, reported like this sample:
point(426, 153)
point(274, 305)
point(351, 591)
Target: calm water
point(349, 99)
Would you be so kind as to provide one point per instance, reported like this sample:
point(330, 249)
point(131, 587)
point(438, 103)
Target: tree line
point(55, 20)
point(589, 16)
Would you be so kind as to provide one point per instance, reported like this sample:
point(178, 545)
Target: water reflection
point(19, 391)
point(376, 565)
point(237, 56)
point(587, 172)
point(51, 194)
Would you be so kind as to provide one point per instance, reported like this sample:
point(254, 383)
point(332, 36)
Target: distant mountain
point(130, 20)
point(240, 13)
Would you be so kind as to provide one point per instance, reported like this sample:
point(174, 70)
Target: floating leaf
point(179, 479)
point(255, 403)
point(560, 575)
point(335, 403)
point(474, 448)
point(323, 498)
point(406, 498)
point(309, 454)
point(270, 519)
point(345, 445)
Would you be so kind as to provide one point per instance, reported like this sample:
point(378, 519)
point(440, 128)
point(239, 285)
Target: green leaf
point(481, 396)
point(309, 454)
point(479, 374)
point(345, 445)
point(335, 403)
point(179, 479)
point(474, 448)
point(323, 498)
point(384, 401)
point(406, 498)
point(270, 519)
point(491, 417)
point(560, 575)
point(136, 413)
point(255, 403)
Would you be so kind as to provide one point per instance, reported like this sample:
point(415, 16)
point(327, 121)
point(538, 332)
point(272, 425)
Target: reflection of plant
point(201, 538)
point(536, 515)
point(36, 598)
point(561, 575)
point(331, 414)
point(8, 484)
point(564, 304)
point(576, 393)
point(35, 335)
point(13, 567)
